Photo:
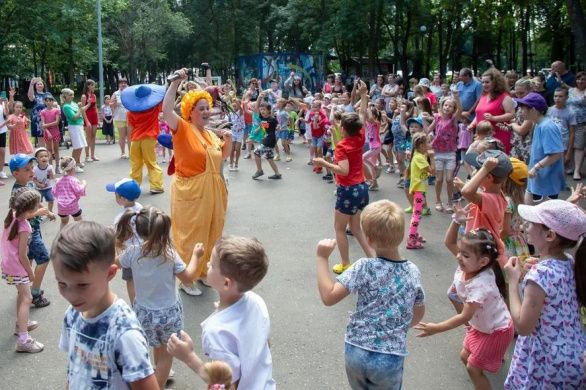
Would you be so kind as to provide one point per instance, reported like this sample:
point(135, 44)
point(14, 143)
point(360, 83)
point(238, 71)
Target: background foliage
point(144, 39)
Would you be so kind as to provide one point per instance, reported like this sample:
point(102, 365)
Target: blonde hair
point(243, 260)
point(67, 163)
point(484, 128)
point(383, 223)
point(191, 98)
point(65, 92)
point(219, 375)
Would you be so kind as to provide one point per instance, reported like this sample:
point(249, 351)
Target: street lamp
point(100, 54)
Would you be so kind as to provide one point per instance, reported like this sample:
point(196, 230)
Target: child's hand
point(458, 183)
point(325, 247)
point(318, 161)
point(577, 194)
point(42, 212)
point(51, 216)
point(180, 348)
point(513, 269)
point(427, 329)
point(489, 117)
point(490, 163)
point(460, 214)
point(198, 250)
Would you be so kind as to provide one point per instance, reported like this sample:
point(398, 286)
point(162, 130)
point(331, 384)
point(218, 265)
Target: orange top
point(189, 153)
point(144, 124)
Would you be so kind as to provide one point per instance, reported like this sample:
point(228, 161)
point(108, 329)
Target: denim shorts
point(47, 194)
point(127, 274)
point(351, 199)
point(37, 250)
point(286, 135)
point(247, 129)
point(159, 325)
point(317, 142)
point(367, 370)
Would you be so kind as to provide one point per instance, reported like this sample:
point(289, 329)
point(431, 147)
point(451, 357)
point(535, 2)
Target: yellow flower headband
point(191, 98)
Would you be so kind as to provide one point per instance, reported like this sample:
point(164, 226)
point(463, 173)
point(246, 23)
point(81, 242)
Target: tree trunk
point(578, 27)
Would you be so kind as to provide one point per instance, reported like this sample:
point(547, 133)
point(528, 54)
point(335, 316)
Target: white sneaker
point(88, 160)
point(81, 165)
point(191, 289)
point(3, 175)
point(30, 346)
point(79, 170)
point(124, 156)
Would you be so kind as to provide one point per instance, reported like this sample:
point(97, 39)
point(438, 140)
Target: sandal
point(415, 245)
point(340, 268)
point(439, 206)
point(449, 209)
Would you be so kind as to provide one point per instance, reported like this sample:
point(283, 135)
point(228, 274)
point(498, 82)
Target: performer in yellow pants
point(143, 103)
point(198, 192)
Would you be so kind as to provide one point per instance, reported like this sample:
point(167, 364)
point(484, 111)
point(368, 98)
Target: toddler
point(50, 119)
point(17, 123)
point(44, 176)
point(68, 190)
point(107, 121)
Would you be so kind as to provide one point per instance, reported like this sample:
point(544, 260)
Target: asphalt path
point(289, 216)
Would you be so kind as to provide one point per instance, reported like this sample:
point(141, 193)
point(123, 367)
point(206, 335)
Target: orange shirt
point(144, 124)
point(189, 153)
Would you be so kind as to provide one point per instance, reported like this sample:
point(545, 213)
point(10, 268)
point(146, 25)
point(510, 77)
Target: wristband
point(454, 220)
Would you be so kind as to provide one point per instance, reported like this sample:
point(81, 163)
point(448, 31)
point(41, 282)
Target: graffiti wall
point(267, 66)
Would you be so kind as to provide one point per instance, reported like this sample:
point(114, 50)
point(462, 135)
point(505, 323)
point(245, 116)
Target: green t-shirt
point(70, 110)
point(293, 116)
point(336, 135)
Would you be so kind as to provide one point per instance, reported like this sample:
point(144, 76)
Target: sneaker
point(325, 177)
point(401, 183)
point(310, 163)
point(79, 169)
point(40, 301)
point(163, 161)
point(258, 174)
point(157, 191)
point(30, 326)
point(57, 170)
point(449, 208)
point(277, 157)
point(390, 169)
point(247, 156)
point(426, 211)
point(81, 165)
point(289, 159)
point(190, 289)
point(124, 156)
point(4, 176)
point(339, 268)
point(244, 146)
point(29, 346)
point(95, 158)
point(276, 176)
point(235, 168)
point(378, 170)
point(88, 160)
point(373, 187)
point(409, 210)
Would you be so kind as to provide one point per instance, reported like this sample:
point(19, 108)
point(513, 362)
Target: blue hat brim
point(165, 140)
point(134, 103)
point(111, 187)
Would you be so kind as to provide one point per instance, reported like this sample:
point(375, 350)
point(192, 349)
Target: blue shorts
point(317, 142)
point(159, 325)
point(373, 370)
point(46, 194)
point(37, 250)
point(247, 129)
point(286, 135)
point(351, 199)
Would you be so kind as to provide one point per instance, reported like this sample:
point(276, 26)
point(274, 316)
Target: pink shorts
point(487, 351)
point(372, 156)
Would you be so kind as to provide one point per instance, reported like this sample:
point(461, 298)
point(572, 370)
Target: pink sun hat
point(564, 218)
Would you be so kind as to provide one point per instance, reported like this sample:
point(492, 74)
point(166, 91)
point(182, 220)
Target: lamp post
point(100, 54)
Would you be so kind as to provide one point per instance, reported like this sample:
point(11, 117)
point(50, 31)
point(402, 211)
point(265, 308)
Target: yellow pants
point(142, 152)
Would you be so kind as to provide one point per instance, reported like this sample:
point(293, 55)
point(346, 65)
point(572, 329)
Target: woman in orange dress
point(198, 192)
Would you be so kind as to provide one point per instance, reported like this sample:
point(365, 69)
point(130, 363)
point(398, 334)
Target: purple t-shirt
point(446, 135)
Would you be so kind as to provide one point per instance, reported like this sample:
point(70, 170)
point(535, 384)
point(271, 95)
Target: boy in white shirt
point(238, 331)
point(127, 191)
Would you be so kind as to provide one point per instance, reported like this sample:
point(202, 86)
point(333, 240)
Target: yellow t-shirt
point(419, 173)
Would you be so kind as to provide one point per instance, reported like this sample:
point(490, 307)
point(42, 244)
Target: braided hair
point(485, 245)
point(23, 200)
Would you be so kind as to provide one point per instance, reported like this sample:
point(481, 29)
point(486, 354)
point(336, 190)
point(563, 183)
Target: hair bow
point(217, 386)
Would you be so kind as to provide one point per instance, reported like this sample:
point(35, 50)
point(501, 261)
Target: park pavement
point(289, 216)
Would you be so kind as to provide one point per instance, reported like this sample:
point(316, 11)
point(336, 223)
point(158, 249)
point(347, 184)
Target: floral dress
point(38, 106)
point(551, 357)
point(521, 145)
point(515, 243)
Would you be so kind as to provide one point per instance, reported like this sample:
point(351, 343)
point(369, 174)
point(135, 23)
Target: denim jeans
point(367, 370)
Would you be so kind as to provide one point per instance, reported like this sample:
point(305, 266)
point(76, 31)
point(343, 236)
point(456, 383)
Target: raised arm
point(31, 89)
point(169, 114)
point(363, 91)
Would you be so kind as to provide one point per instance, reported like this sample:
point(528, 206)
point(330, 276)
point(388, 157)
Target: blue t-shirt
point(109, 351)
point(547, 139)
point(387, 291)
point(469, 93)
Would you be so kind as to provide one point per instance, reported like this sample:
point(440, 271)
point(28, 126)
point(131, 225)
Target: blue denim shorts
point(367, 370)
point(286, 135)
point(47, 194)
point(159, 325)
point(317, 142)
point(351, 199)
point(37, 250)
point(247, 129)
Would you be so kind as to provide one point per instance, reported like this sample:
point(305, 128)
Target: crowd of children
point(520, 254)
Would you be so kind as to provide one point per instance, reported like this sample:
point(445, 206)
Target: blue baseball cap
point(126, 188)
point(417, 120)
point(20, 160)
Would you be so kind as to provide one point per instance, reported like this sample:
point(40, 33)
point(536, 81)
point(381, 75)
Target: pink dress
point(494, 107)
point(50, 116)
point(19, 140)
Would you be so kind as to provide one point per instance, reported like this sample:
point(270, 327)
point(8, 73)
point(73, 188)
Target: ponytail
point(124, 229)
point(23, 200)
point(484, 244)
point(219, 375)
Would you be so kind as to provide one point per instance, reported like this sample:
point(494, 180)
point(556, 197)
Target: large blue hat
point(142, 97)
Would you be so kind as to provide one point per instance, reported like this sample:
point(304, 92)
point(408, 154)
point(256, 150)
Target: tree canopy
point(144, 39)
